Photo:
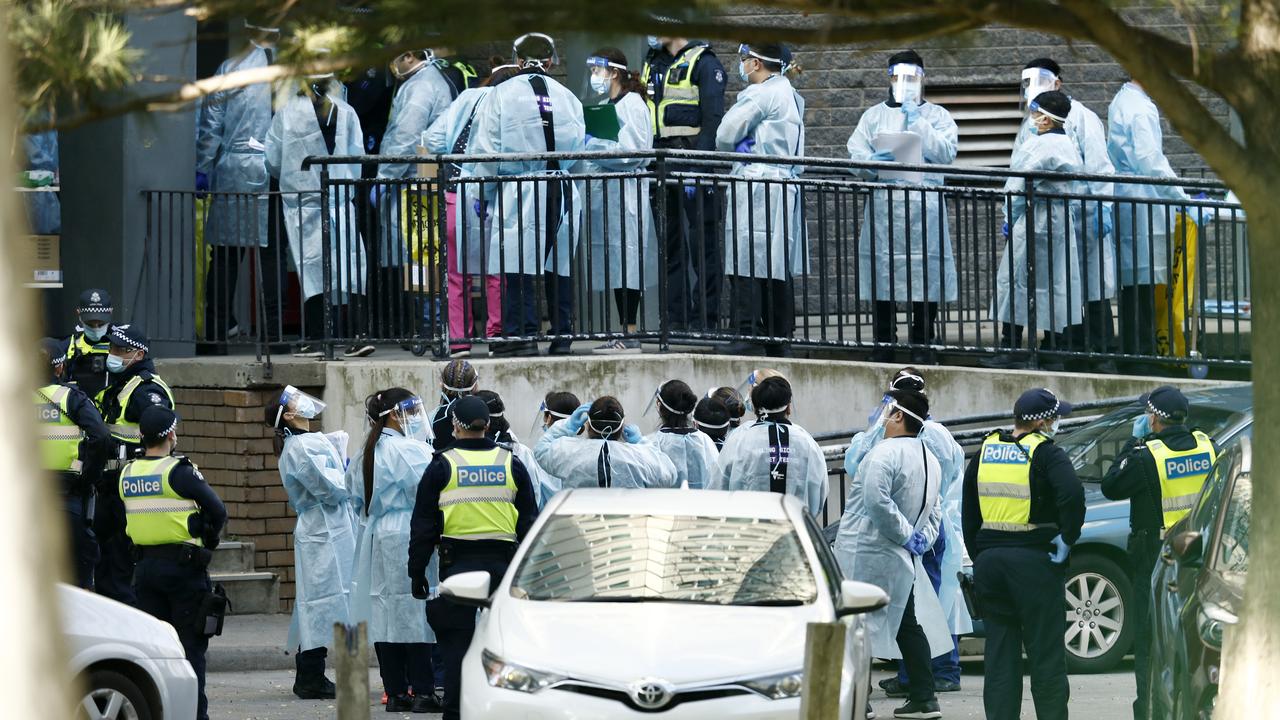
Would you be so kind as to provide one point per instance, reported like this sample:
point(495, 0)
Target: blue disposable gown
point(230, 149)
point(1058, 290)
point(44, 209)
point(764, 231)
point(623, 250)
point(894, 494)
point(382, 594)
point(545, 484)
point(1097, 249)
point(950, 456)
point(577, 461)
point(509, 122)
point(294, 136)
point(419, 101)
point(693, 454)
point(442, 139)
point(324, 539)
point(1136, 144)
point(909, 257)
point(744, 465)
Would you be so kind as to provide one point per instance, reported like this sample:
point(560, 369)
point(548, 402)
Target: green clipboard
point(602, 121)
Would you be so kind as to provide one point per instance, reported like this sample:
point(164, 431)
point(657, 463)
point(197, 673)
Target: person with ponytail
point(458, 378)
point(556, 405)
point(711, 418)
point(773, 453)
point(499, 431)
point(732, 400)
point(324, 539)
point(693, 454)
point(622, 247)
point(387, 474)
point(611, 454)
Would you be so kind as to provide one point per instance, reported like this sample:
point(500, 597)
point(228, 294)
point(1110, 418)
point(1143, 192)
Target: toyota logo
point(651, 694)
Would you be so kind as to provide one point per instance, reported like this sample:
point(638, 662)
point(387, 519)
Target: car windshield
point(1094, 446)
point(666, 558)
point(1233, 542)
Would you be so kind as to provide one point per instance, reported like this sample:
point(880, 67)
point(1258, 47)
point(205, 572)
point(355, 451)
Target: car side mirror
point(1188, 546)
point(859, 597)
point(469, 588)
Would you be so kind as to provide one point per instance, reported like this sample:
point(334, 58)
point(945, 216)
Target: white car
point(626, 603)
point(129, 664)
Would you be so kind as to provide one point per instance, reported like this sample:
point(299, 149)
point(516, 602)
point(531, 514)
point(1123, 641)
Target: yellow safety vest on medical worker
point(154, 513)
point(678, 88)
point(1004, 482)
point(1182, 474)
point(478, 503)
point(59, 436)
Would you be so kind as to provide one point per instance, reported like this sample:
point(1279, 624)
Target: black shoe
point(319, 689)
point(400, 703)
point(1004, 361)
point(893, 688)
point(360, 349)
point(427, 704)
point(881, 355)
point(560, 347)
point(945, 686)
point(870, 714)
point(926, 710)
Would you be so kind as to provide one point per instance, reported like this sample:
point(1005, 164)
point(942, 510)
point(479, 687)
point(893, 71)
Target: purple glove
point(916, 544)
point(479, 208)
point(690, 191)
point(745, 145)
point(202, 184)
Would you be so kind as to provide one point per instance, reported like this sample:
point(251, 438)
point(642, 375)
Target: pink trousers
point(461, 317)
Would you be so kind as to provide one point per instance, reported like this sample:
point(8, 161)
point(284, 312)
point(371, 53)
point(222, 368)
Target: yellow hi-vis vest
point(1182, 474)
point(479, 501)
point(678, 88)
point(1004, 483)
point(59, 436)
point(154, 513)
point(121, 429)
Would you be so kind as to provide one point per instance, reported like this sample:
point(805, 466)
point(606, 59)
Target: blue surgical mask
point(601, 85)
point(654, 43)
point(95, 334)
point(115, 364)
point(414, 426)
point(742, 71)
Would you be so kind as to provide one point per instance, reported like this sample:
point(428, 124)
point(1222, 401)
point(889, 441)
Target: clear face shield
point(529, 62)
point(299, 403)
point(906, 81)
point(599, 80)
point(409, 63)
point(544, 418)
point(261, 36)
point(411, 415)
point(1035, 81)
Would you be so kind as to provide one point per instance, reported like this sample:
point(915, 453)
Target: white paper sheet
point(907, 148)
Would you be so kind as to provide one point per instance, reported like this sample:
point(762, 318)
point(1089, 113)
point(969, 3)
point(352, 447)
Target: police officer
point(73, 445)
point(472, 532)
point(1022, 510)
point(685, 83)
point(86, 363)
point(134, 387)
point(173, 518)
point(1160, 473)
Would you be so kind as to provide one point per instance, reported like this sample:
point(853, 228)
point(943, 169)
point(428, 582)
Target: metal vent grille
point(988, 117)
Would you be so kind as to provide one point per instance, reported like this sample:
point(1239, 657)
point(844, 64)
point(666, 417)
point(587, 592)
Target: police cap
point(1167, 402)
point(1039, 404)
point(95, 304)
point(129, 337)
point(469, 411)
point(156, 422)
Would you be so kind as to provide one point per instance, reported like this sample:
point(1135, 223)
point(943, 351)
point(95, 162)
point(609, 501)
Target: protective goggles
point(1035, 108)
point(595, 62)
point(299, 403)
point(1035, 81)
point(539, 416)
point(745, 51)
point(533, 62)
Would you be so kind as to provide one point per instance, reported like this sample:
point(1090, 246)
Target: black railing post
point(1030, 224)
point(326, 236)
point(660, 223)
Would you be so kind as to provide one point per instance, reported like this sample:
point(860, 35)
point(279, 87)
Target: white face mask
point(1052, 428)
point(602, 85)
point(95, 334)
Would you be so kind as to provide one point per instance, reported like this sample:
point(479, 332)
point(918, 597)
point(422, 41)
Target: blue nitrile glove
point(911, 109)
point(586, 138)
point(916, 544)
point(1200, 196)
point(479, 208)
point(579, 417)
point(1107, 221)
point(1142, 426)
point(745, 145)
point(631, 434)
point(882, 156)
point(1061, 551)
point(375, 194)
point(1004, 230)
point(202, 185)
point(690, 191)
point(370, 141)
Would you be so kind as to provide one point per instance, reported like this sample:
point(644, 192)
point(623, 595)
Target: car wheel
point(1097, 635)
point(112, 696)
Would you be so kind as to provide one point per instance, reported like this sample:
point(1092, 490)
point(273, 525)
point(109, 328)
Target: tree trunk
point(1251, 655)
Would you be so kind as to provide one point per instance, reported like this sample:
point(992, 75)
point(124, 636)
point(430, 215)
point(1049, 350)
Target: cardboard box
point(44, 260)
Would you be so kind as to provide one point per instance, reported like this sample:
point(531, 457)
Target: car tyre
point(112, 696)
point(1094, 583)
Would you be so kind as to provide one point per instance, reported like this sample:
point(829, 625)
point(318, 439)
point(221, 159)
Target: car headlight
point(777, 687)
point(1211, 620)
point(503, 674)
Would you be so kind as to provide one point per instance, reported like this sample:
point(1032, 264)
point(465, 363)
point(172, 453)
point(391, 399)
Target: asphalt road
point(267, 695)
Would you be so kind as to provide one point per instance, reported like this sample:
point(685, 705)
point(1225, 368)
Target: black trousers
point(84, 544)
point(1144, 550)
point(223, 278)
point(519, 305)
point(405, 665)
point(695, 260)
point(113, 575)
point(763, 307)
point(884, 322)
point(1021, 594)
point(454, 624)
point(559, 293)
point(1097, 333)
point(628, 302)
point(173, 592)
point(1138, 319)
point(915, 654)
point(309, 665)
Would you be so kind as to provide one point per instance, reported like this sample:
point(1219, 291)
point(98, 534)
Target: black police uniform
point(1020, 590)
point(1133, 477)
point(172, 581)
point(114, 574)
point(695, 265)
point(78, 487)
point(453, 624)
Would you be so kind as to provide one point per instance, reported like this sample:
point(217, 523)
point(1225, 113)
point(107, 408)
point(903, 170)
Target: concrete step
point(232, 557)
point(250, 592)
